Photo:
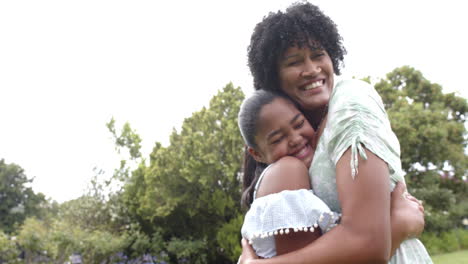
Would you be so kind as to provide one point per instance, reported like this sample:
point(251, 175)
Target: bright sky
point(67, 67)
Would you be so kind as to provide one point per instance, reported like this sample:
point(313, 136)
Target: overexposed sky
point(67, 67)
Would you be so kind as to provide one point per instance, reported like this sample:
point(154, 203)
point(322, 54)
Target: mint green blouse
point(357, 118)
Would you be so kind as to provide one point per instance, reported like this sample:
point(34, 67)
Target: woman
point(298, 52)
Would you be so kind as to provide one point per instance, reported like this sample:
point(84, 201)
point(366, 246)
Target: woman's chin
point(316, 103)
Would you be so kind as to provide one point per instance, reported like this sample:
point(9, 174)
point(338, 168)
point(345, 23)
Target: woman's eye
point(317, 55)
point(292, 63)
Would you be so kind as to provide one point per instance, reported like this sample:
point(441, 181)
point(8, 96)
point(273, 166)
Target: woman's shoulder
point(357, 119)
point(352, 83)
point(358, 95)
point(354, 88)
point(288, 173)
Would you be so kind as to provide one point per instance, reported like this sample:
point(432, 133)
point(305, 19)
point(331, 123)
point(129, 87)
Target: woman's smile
point(307, 76)
point(313, 84)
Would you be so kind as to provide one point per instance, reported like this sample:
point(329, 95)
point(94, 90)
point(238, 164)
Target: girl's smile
point(283, 131)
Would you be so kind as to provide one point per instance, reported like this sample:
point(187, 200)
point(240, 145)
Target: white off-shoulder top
point(282, 213)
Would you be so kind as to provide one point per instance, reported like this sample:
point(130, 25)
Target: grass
point(459, 257)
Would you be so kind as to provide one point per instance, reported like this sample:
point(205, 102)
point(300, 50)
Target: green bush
point(432, 243)
point(34, 239)
point(451, 242)
point(229, 237)
point(462, 235)
point(187, 251)
point(100, 246)
point(445, 242)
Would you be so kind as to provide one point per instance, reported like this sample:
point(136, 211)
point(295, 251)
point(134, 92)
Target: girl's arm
point(363, 236)
point(288, 173)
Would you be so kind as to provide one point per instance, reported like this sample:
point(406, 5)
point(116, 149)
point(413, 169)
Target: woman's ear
point(255, 154)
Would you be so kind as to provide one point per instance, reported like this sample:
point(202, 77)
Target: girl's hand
point(248, 253)
point(407, 212)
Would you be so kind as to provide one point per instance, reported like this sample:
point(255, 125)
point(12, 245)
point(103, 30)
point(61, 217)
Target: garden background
point(181, 203)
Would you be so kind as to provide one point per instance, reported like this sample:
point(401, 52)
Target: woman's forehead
point(295, 46)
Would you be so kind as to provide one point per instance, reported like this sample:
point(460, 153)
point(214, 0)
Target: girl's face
point(283, 131)
point(306, 76)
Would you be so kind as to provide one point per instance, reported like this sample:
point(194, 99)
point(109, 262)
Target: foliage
point(86, 212)
point(453, 240)
point(188, 251)
point(100, 246)
point(127, 139)
point(17, 199)
point(43, 242)
point(430, 125)
point(191, 188)
point(33, 239)
point(182, 204)
point(9, 252)
point(229, 236)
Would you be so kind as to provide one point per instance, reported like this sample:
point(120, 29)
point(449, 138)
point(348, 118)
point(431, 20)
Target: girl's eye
point(300, 124)
point(276, 141)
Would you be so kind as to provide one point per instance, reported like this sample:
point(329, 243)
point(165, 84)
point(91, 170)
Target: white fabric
point(281, 212)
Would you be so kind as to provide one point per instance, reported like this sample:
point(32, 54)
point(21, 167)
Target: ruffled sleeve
point(357, 119)
point(282, 213)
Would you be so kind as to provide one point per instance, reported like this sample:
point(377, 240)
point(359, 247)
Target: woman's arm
point(407, 220)
point(406, 216)
point(363, 236)
point(288, 173)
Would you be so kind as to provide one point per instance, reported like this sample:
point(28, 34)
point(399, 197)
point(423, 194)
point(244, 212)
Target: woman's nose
point(310, 68)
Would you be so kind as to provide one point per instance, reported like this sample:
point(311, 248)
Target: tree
point(9, 252)
point(431, 128)
point(191, 189)
point(17, 199)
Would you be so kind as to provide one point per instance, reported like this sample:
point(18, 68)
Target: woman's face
point(283, 131)
point(306, 76)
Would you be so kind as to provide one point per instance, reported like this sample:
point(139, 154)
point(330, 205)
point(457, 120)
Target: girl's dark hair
point(252, 170)
point(247, 120)
point(302, 24)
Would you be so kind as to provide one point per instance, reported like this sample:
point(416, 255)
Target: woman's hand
point(248, 253)
point(407, 213)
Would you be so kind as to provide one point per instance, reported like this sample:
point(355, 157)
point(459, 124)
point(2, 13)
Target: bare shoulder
point(288, 173)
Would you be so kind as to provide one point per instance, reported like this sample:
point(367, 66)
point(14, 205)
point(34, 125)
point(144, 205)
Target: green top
point(357, 118)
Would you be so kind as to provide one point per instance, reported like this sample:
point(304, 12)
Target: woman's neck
point(316, 117)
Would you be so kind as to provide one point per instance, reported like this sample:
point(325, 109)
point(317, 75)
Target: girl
point(273, 128)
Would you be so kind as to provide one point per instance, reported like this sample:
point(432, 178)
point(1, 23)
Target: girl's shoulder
point(288, 173)
point(282, 213)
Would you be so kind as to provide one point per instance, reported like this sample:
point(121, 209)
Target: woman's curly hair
point(301, 24)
